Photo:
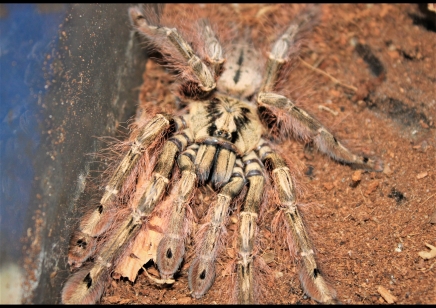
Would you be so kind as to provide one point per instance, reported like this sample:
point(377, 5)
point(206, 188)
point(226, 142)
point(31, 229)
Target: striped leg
point(171, 248)
point(294, 120)
point(248, 226)
point(313, 282)
point(283, 47)
point(202, 270)
point(307, 128)
point(82, 243)
point(86, 286)
point(213, 50)
point(199, 68)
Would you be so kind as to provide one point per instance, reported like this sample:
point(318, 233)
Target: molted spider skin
point(224, 138)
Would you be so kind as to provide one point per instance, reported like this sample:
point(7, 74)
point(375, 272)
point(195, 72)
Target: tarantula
point(224, 138)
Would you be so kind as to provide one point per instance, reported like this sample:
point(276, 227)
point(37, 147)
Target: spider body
point(222, 140)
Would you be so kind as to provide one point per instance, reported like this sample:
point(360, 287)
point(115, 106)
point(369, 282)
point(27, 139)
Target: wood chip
point(371, 187)
point(112, 299)
point(423, 124)
point(428, 254)
point(184, 300)
point(328, 186)
point(278, 274)
point(153, 271)
point(422, 175)
point(268, 257)
point(357, 176)
point(387, 170)
point(322, 107)
point(387, 296)
point(433, 218)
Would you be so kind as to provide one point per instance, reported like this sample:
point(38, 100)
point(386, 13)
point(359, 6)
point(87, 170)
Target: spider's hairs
point(274, 21)
point(172, 59)
point(294, 86)
point(223, 237)
point(169, 198)
point(282, 234)
point(262, 276)
point(128, 187)
point(118, 210)
point(155, 42)
point(279, 122)
point(107, 158)
point(119, 206)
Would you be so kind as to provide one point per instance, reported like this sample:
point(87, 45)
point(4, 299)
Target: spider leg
point(284, 46)
point(308, 128)
point(171, 248)
point(202, 270)
point(298, 121)
point(153, 192)
point(199, 68)
point(99, 220)
point(310, 276)
point(247, 228)
point(86, 286)
point(214, 51)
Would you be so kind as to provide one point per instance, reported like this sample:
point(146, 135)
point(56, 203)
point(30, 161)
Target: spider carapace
point(224, 139)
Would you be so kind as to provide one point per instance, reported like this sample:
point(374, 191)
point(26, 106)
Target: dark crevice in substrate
point(375, 65)
point(397, 110)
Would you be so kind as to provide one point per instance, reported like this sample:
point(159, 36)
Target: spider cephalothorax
point(221, 140)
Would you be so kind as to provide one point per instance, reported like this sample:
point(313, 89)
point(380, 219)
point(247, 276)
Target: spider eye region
point(231, 129)
point(223, 134)
point(227, 117)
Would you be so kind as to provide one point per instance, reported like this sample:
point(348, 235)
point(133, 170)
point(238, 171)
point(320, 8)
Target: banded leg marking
point(202, 270)
point(308, 128)
point(313, 282)
point(82, 243)
point(86, 286)
point(199, 68)
point(213, 47)
point(171, 248)
point(282, 49)
point(204, 161)
point(248, 226)
point(161, 173)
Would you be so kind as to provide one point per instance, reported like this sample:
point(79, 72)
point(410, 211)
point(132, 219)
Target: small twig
point(428, 269)
point(317, 63)
point(158, 281)
point(428, 199)
point(364, 199)
point(336, 81)
point(322, 107)
point(426, 255)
